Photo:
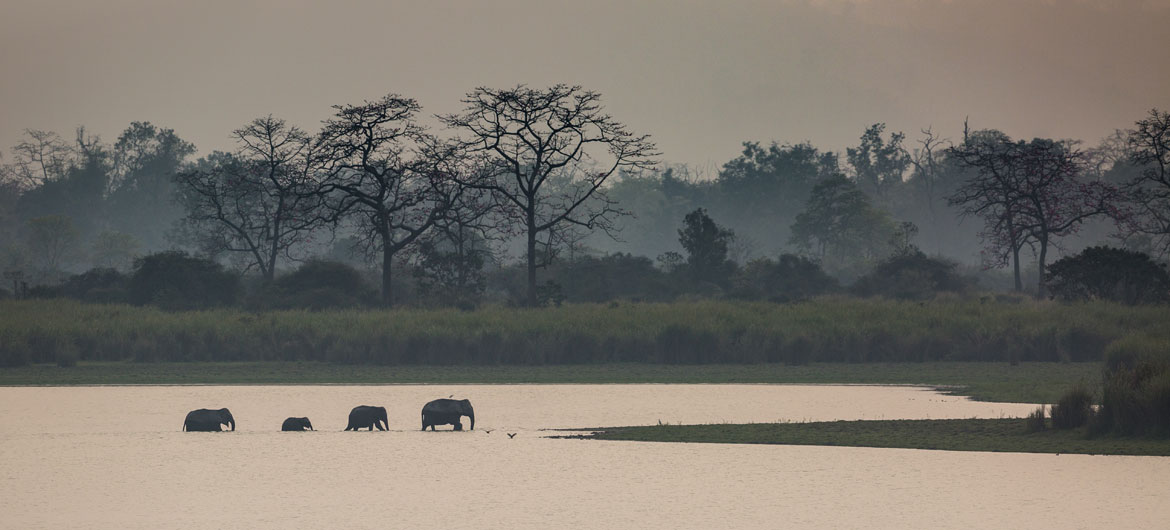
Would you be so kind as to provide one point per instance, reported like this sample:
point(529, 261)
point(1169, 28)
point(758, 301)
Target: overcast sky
point(700, 77)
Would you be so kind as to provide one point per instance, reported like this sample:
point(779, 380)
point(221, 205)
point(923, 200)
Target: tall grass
point(822, 330)
point(1136, 388)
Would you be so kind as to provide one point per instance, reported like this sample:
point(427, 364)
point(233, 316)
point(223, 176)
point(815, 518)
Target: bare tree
point(1028, 193)
point(1149, 193)
point(927, 160)
point(534, 135)
point(39, 157)
point(260, 201)
point(381, 173)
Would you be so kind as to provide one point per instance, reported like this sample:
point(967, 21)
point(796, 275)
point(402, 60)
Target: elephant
point(296, 424)
point(368, 417)
point(208, 420)
point(447, 412)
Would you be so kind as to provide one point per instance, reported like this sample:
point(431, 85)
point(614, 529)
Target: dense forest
point(538, 196)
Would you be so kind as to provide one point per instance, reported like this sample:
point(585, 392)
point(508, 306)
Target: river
point(115, 458)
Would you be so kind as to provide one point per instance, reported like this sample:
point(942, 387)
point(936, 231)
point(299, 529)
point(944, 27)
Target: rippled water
point(114, 457)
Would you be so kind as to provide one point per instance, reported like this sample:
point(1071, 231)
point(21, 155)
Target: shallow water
point(114, 457)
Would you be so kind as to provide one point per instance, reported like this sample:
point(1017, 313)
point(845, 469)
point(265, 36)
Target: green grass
point(1004, 435)
point(1024, 383)
point(834, 329)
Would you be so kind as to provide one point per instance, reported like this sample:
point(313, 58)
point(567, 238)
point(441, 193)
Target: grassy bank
point(1005, 435)
point(1023, 383)
point(821, 330)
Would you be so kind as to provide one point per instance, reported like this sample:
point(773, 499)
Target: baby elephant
point(296, 424)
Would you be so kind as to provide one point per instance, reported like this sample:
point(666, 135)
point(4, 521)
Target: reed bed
point(832, 329)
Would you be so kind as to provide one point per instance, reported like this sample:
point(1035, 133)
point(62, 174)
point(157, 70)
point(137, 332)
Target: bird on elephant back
point(365, 416)
point(447, 412)
point(208, 420)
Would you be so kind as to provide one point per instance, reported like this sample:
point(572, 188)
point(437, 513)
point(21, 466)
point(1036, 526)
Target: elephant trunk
point(471, 416)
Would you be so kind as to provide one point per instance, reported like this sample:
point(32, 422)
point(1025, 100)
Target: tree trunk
point(387, 261)
point(1016, 266)
point(1041, 285)
point(531, 262)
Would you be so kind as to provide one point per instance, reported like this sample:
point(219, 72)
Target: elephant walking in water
point(447, 412)
point(367, 417)
point(296, 424)
point(208, 420)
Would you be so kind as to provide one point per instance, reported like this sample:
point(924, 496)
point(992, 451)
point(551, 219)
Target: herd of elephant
point(437, 412)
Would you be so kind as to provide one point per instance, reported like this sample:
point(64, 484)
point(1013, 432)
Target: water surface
point(114, 457)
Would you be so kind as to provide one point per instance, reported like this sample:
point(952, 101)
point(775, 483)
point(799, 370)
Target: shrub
point(789, 278)
point(911, 275)
point(1035, 421)
point(317, 285)
point(175, 280)
point(1073, 409)
point(1104, 273)
point(1136, 392)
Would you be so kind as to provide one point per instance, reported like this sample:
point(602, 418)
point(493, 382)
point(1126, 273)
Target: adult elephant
point(296, 424)
point(447, 412)
point(208, 420)
point(368, 417)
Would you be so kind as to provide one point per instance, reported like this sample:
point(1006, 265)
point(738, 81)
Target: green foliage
point(1136, 391)
point(787, 279)
point(175, 280)
point(1104, 273)
point(1074, 408)
point(911, 276)
point(841, 228)
point(706, 245)
point(316, 285)
point(1035, 422)
point(816, 331)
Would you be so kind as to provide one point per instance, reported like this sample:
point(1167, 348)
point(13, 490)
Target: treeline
point(537, 195)
point(823, 330)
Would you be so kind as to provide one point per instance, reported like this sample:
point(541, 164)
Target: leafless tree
point(40, 156)
point(1149, 193)
point(1028, 193)
point(534, 135)
point(260, 201)
point(927, 160)
point(381, 172)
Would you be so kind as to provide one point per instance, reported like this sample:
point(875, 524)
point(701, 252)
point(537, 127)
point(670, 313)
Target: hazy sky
point(700, 77)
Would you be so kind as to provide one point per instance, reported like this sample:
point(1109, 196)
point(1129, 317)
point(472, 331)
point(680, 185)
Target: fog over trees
point(537, 195)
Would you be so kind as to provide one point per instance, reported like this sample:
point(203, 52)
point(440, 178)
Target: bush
point(911, 275)
point(175, 280)
point(1035, 421)
point(1073, 409)
point(1104, 273)
point(1136, 392)
point(787, 279)
point(317, 285)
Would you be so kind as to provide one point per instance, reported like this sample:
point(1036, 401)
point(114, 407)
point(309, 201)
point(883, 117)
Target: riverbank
point(1029, 382)
point(996, 435)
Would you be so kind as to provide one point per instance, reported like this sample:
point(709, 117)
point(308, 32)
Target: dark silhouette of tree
point(879, 163)
point(382, 172)
point(260, 201)
point(1149, 192)
point(51, 242)
point(706, 245)
point(533, 136)
point(40, 156)
point(1028, 193)
point(786, 279)
point(1103, 273)
point(142, 190)
point(177, 281)
point(840, 227)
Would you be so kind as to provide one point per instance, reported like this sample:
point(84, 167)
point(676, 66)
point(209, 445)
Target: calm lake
point(115, 458)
